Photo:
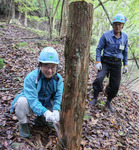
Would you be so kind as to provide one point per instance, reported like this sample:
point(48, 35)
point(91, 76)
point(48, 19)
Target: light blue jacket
point(32, 86)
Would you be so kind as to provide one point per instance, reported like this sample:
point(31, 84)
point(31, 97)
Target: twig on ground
point(30, 143)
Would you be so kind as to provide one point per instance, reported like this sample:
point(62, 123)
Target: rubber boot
point(108, 104)
point(24, 130)
point(94, 100)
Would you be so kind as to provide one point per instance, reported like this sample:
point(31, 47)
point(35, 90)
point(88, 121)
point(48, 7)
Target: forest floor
point(102, 129)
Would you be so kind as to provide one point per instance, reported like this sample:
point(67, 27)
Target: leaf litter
point(101, 128)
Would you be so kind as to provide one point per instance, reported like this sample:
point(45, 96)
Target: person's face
point(48, 70)
point(117, 27)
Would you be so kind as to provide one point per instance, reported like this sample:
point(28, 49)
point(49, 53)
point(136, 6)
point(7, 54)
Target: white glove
point(49, 116)
point(56, 114)
point(125, 69)
point(99, 66)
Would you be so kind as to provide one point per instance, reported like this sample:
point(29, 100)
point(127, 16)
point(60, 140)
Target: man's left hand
point(56, 115)
point(125, 69)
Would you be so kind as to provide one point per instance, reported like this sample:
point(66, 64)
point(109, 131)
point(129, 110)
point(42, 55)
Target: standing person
point(115, 49)
point(42, 92)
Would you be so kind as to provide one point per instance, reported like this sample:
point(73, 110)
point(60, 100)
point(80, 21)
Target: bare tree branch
point(61, 16)
point(132, 81)
point(134, 57)
point(56, 8)
point(105, 11)
point(100, 4)
point(47, 13)
point(128, 5)
point(10, 89)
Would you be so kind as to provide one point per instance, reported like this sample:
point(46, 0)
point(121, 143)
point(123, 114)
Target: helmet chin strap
point(38, 75)
point(57, 68)
point(39, 64)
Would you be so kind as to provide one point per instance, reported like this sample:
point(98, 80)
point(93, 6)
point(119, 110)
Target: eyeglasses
point(118, 24)
point(47, 66)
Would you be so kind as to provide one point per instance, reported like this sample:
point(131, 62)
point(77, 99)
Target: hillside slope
point(101, 129)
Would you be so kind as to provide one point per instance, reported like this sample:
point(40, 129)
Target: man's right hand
point(49, 116)
point(125, 69)
point(98, 65)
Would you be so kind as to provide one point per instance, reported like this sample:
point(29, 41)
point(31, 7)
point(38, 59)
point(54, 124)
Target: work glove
point(125, 69)
point(98, 65)
point(56, 114)
point(49, 116)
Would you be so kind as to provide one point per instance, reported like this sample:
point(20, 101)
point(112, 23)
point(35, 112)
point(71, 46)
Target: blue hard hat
point(49, 55)
point(119, 18)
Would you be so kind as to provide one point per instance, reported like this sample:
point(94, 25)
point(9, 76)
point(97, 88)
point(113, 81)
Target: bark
point(64, 19)
point(51, 26)
point(77, 49)
point(61, 19)
point(13, 9)
point(19, 16)
point(25, 19)
point(51, 17)
point(9, 11)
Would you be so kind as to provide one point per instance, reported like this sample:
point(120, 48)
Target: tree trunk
point(25, 19)
point(77, 51)
point(51, 25)
point(51, 17)
point(64, 19)
point(10, 11)
point(20, 14)
point(13, 9)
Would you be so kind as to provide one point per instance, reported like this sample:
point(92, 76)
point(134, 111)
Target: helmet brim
point(49, 62)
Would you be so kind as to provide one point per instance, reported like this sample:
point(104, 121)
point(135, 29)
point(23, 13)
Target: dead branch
point(132, 81)
point(133, 59)
point(134, 56)
point(9, 89)
point(105, 11)
point(30, 143)
point(46, 14)
point(130, 73)
point(39, 141)
point(100, 4)
point(56, 8)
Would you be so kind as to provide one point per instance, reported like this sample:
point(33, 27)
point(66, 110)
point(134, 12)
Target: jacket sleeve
point(58, 95)
point(31, 93)
point(125, 52)
point(100, 47)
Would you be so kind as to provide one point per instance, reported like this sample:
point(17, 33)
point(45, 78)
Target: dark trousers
point(113, 68)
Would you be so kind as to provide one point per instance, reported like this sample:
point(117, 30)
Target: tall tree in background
point(64, 19)
point(51, 16)
point(25, 7)
point(77, 51)
point(13, 9)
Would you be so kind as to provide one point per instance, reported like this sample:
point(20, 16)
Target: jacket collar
point(112, 33)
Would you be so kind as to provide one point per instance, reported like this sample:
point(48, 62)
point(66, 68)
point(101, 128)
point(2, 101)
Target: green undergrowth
point(86, 116)
point(1, 63)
